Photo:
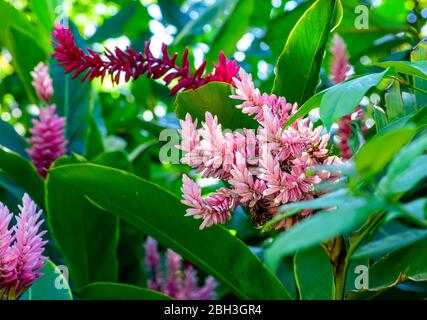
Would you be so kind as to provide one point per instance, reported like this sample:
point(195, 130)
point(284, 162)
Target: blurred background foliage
point(130, 116)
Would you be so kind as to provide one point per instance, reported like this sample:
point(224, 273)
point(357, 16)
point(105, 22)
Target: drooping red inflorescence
point(133, 64)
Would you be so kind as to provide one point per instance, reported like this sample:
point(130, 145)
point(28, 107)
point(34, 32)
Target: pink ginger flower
point(179, 283)
point(340, 70)
point(47, 140)
point(133, 64)
point(21, 249)
point(214, 209)
point(265, 169)
point(42, 82)
point(254, 101)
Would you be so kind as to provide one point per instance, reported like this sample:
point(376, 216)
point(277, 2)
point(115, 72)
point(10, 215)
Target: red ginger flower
point(47, 141)
point(133, 64)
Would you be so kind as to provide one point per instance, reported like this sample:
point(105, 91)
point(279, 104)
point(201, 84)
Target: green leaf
point(417, 68)
point(378, 151)
point(52, 285)
point(89, 251)
point(298, 67)
point(94, 144)
point(403, 264)
point(10, 139)
point(410, 177)
point(309, 105)
point(389, 243)
point(419, 54)
point(314, 275)
point(23, 173)
point(208, 16)
point(235, 26)
point(26, 53)
point(44, 10)
point(418, 119)
point(321, 227)
point(118, 291)
point(213, 250)
point(213, 97)
point(279, 28)
point(342, 99)
point(380, 118)
point(116, 25)
point(25, 43)
point(394, 102)
point(130, 246)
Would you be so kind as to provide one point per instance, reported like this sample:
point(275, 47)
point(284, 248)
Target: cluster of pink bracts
point(21, 249)
point(265, 169)
point(176, 282)
point(133, 64)
point(47, 135)
point(340, 70)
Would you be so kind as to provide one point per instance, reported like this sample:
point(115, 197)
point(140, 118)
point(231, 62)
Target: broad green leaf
point(418, 119)
point(26, 53)
point(279, 28)
point(298, 67)
point(119, 291)
point(213, 97)
point(44, 10)
point(419, 54)
point(417, 68)
point(130, 246)
point(116, 25)
point(313, 274)
point(94, 144)
point(23, 174)
point(208, 16)
point(171, 12)
point(408, 179)
point(10, 139)
point(380, 118)
point(235, 26)
point(342, 99)
point(52, 285)
point(401, 163)
point(389, 243)
point(321, 227)
point(394, 102)
point(329, 200)
point(213, 250)
point(287, 276)
point(310, 104)
point(402, 264)
point(378, 151)
point(89, 251)
point(414, 211)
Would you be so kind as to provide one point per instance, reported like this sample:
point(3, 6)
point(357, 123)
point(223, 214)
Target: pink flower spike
point(47, 140)
point(42, 82)
point(339, 63)
point(24, 258)
point(190, 289)
point(214, 209)
point(179, 283)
